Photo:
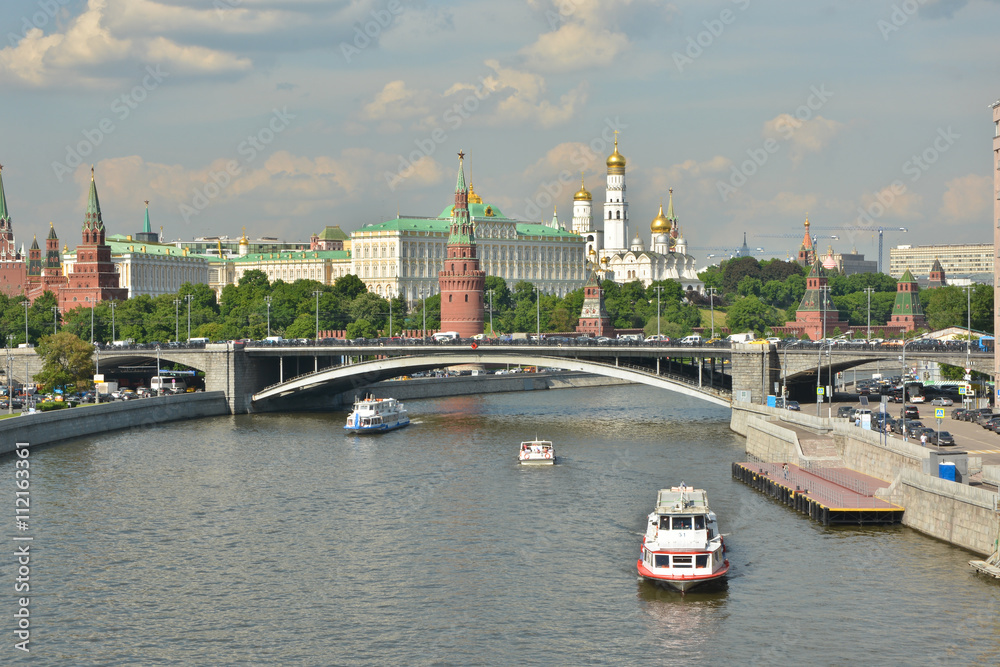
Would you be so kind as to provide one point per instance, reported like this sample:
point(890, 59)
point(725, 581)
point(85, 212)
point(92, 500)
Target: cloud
point(805, 136)
point(583, 33)
point(967, 199)
point(905, 206)
point(520, 98)
point(572, 156)
point(77, 56)
point(396, 102)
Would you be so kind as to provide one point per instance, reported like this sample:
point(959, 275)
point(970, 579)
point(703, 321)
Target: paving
point(829, 495)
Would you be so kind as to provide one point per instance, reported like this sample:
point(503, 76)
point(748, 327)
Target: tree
point(349, 286)
point(66, 360)
point(751, 314)
point(736, 269)
point(749, 286)
point(776, 269)
point(361, 329)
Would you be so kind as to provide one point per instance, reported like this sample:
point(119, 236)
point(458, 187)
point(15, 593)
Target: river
point(277, 539)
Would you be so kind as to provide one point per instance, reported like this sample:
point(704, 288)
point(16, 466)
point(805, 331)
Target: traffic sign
point(939, 413)
point(961, 391)
point(819, 391)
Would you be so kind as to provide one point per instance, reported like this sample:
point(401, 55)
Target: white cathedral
point(667, 256)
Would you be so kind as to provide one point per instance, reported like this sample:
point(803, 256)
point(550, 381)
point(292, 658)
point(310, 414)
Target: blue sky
point(286, 116)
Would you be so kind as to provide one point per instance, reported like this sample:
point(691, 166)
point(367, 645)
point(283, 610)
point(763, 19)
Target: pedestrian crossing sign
point(939, 413)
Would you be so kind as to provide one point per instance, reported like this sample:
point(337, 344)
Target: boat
point(374, 415)
point(682, 547)
point(536, 453)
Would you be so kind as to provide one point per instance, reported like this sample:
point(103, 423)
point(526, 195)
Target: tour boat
point(682, 547)
point(372, 414)
point(536, 453)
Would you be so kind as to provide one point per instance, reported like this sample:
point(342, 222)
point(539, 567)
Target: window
point(467, 298)
point(701, 560)
point(682, 561)
point(699, 522)
point(449, 298)
point(682, 523)
point(662, 560)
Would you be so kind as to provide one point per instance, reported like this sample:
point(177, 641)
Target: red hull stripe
point(646, 572)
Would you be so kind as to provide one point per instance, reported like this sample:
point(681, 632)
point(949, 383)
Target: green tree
point(361, 329)
point(66, 360)
point(735, 270)
point(751, 314)
point(349, 286)
point(749, 286)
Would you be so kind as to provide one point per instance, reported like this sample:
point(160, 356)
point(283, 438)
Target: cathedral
point(624, 261)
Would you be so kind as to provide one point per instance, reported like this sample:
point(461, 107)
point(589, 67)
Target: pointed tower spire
point(460, 184)
point(93, 218)
point(670, 206)
point(4, 215)
point(145, 225)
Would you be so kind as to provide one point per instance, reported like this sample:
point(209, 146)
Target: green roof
point(907, 277)
point(291, 255)
point(93, 218)
point(3, 200)
point(443, 225)
point(476, 211)
point(120, 245)
point(332, 233)
point(146, 229)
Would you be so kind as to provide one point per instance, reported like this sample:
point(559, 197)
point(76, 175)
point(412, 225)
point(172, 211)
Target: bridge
point(257, 377)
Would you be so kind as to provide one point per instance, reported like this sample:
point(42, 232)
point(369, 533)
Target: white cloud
point(968, 199)
point(396, 102)
point(520, 98)
point(805, 136)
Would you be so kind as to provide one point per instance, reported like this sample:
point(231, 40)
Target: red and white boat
point(682, 547)
point(536, 453)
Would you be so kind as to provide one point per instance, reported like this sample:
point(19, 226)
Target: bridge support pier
point(755, 370)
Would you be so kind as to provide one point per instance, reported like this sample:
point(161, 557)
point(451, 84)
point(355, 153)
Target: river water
point(277, 539)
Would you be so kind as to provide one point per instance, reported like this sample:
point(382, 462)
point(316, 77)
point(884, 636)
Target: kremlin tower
point(807, 253)
point(13, 270)
point(615, 204)
point(462, 283)
point(907, 313)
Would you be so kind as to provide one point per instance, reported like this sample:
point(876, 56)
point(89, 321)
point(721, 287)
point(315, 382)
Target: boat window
point(682, 561)
point(662, 560)
point(701, 560)
point(699, 522)
point(664, 523)
point(682, 523)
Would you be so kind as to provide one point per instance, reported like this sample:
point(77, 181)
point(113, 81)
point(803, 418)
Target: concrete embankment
point(47, 427)
point(950, 511)
point(479, 384)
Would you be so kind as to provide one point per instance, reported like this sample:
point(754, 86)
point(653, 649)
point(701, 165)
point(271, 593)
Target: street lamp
point(10, 369)
point(905, 343)
point(390, 314)
point(55, 319)
point(113, 320)
point(267, 300)
point(711, 307)
point(92, 304)
point(188, 298)
point(177, 319)
point(869, 290)
point(26, 322)
point(538, 315)
point(658, 288)
point(316, 294)
point(97, 370)
point(492, 333)
point(423, 310)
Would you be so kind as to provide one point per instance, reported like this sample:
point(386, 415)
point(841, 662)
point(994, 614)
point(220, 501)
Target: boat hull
point(681, 583)
point(537, 462)
point(378, 428)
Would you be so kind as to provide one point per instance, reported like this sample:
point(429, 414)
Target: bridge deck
point(829, 495)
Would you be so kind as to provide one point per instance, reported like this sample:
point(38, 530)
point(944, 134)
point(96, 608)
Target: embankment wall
point(47, 427)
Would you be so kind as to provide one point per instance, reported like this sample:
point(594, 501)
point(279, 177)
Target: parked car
point(910, 412)
point(957, 413)
point(844, 411)
point(941, 400)
point(942, 439)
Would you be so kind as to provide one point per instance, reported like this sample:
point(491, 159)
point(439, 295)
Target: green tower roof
point(907, 277)
point(146, 229)
point(4, 215)
point(93, 219)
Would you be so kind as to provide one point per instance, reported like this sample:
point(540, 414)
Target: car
point(793, 405)
point(941, 439)
point(844, 411)
point(957, 413)
point(910, 412)
point(918, 399)
point(657, 338)
point(941, 400)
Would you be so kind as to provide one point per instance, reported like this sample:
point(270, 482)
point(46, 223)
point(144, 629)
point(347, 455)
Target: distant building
point(973, 260)
point(936, 278)
point(996, 230)
point(594, 318)
point(13, 267)
point(907, 313)
point(807, 252)
point(331, 238)
point(853, 262)
point(816, 315)
point(461, 282)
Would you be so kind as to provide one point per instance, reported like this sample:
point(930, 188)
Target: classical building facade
point(461, 282)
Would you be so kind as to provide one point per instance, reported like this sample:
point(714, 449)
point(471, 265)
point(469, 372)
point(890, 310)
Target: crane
point(856, 228)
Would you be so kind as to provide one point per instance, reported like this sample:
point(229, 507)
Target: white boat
point(372, 414)
point(682, 547)
point(536, 453)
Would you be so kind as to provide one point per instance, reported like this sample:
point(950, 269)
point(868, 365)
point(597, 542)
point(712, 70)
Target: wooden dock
point(828, 495)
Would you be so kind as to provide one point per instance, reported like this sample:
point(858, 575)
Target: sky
point(285, 116)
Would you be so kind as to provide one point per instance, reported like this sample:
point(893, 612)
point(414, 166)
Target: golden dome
point(473, 197)
point(616, 160)
point(660, 224)
point(582, 194)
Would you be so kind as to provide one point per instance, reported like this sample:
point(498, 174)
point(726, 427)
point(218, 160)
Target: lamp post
point(423, 311)
point(658, 288)
point(177, 319)
point(92, 303)
point(492, 333)
point(97, 370)
point(55, 319)
point(26, 321)
point(390, 316)
point(711, 307)
point(316, 294)
point(113, 320)
point(869, 290)
point(188, 298)
point(267, 300)
point(10, 369)
point(538, 315)
point(905, 343)
point(158, 365)
point(819, 360)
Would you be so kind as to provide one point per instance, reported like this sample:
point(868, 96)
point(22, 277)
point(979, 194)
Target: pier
point(827, 495)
